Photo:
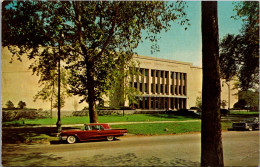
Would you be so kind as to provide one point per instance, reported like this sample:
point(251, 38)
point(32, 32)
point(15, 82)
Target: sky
point(178, 44)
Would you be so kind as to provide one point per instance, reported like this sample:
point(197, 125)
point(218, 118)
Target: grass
point(42, 134)
point(161, 128)
point(102, 119)
point(243, 113)
point(165, 128)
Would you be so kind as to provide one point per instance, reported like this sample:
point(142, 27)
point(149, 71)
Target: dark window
point(135, 85)
point(146, 87)
point(179, 89)
point(175, 75)
point(175, 89)
point(141, 87)
point(152, 73)
point(161, 88)
point(156, 88)
point(179, 75)
point(141, 70)
point(184, 92)
point(152, 88)
point(166, 90)
point(184, 76)
point(146, 72)
point(166, 74)
point(171, 74)
point(157, 73)
point(156, 102)
point(161, 74)
point(146, 102)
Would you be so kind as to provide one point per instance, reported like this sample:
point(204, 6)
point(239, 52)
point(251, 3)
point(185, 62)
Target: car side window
point(101, 127)
point(87, 127)
point(97, 127)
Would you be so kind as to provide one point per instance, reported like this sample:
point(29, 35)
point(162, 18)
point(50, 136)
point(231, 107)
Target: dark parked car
point(91, 132)
point(247, 124)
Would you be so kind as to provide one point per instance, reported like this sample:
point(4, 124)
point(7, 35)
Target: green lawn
point(243, 112)
point(103, 119)
point(165, 128)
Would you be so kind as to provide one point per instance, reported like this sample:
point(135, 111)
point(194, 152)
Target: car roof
point(96, 124)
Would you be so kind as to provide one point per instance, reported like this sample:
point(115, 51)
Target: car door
point(89, 133)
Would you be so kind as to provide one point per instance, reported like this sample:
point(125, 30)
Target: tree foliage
point(239, 54)
point(9, 104)
point(93, 36)
point(21, 105)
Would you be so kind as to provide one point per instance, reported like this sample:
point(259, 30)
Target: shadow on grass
point(27, 134)
point(174, 116)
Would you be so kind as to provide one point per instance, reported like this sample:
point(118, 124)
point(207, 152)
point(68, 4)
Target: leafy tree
point(21, 105)
point(239, 54)
point(49, 91)
point(211, 140)
point(122, 88)
point(251, 98)
point(95, 36)
point(9, 104)
point(199, 103)
point(223, 103)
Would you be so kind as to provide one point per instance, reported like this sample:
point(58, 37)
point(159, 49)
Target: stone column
point(149, 103)
point(168, 83)
point(177, 83)
point(168, 103)
point(181, 84)
point(159, 81)
point(142, 77)
point(148, 81)
point(143, 102)
point(173, 83)
point(137, 79)
point(163, 82)
point(186, 85)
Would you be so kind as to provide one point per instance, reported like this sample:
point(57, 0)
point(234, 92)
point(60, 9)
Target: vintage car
point(93, 131)
point(247, 124)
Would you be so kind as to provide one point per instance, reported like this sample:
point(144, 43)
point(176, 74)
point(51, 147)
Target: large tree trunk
point(211, 140)
point(91, 93)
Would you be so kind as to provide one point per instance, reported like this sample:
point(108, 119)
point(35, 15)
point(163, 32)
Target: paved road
point(240, 149)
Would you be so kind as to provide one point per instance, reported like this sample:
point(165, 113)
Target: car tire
point(71, 139)
point(110, 138)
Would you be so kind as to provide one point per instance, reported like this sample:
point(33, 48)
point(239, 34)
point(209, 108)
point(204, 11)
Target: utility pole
point(58, 120)
point(228, 84)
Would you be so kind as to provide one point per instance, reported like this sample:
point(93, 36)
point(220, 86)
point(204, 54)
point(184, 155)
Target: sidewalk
point(112, 123)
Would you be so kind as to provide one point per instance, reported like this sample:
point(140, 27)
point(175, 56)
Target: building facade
point(164, 84)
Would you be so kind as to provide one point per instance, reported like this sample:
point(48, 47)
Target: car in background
point(92, 131)
point(247, 124)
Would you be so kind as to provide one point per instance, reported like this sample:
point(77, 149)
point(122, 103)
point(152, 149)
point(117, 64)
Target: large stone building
point(165, 84)
point(168, 84)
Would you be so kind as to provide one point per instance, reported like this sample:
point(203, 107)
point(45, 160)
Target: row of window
point(164, 74)
point(161, 103)
point(163, 88)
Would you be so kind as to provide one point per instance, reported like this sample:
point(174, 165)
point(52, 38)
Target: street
point(240, 149)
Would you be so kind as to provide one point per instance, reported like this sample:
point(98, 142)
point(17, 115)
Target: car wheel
point(71, 139)
point(110, 138)
point(250, 128)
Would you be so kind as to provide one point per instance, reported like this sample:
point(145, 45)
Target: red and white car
point(92, 131)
